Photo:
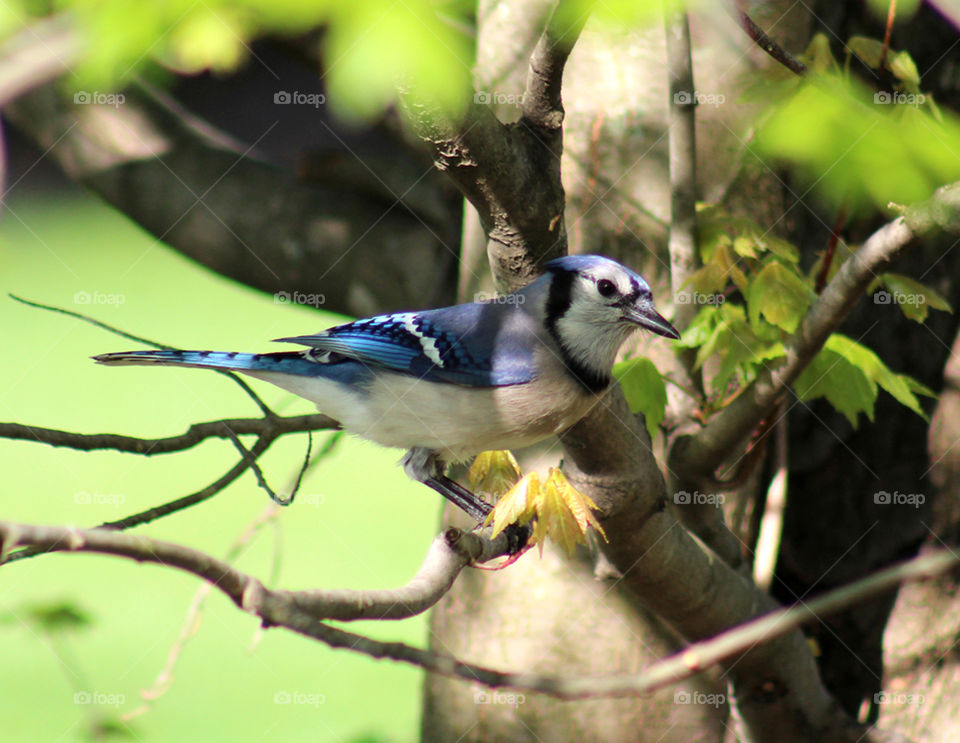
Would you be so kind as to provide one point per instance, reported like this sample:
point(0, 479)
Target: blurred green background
point(358, 521)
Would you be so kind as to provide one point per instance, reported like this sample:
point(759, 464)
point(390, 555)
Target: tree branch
point(705, 520)
point(41, 52)
point(542, 100)
point(511, 173)
point(449, 553)
point(274, 427)
point(769, 45)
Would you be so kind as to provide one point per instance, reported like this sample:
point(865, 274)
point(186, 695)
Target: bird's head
point(593, 305)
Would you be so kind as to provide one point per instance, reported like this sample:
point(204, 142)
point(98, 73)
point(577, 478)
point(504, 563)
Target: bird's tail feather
point(288, 362)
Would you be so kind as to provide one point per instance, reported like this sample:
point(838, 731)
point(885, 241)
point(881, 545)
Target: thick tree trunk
point(552, 614)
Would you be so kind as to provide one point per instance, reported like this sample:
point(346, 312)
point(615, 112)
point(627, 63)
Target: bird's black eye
point(606, 288)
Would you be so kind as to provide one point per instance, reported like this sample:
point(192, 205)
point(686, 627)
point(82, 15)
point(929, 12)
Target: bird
point(449, 383)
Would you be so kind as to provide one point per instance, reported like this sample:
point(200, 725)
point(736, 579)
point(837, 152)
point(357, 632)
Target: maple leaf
point(494, 472)
point(516, 505)
point(558, 509)
point(564, 513)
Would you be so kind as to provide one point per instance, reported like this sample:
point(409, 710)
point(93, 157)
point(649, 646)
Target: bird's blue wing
point(477, 345)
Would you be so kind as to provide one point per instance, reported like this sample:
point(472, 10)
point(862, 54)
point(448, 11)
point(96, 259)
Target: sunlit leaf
point(563, 513)
point(905, 9)
point(518, 505)
point(644, 389)
point(780, 295)
point(857, 146)
point(494, 472)
point(700, 328)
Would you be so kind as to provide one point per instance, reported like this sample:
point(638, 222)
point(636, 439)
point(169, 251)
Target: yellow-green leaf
point(517, 505)
point(780, 295)
point(494, 472)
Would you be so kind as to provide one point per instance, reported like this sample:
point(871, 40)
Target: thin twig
point(197, 433)
point(769, 45)
point(92, 321)
point(831, 250)
point(255, 468)
point(891, 15)
point(165, 509)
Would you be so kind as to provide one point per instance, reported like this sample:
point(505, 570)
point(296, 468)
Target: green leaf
point(780, 295)
point(745, 246)
point(875, 370)
point(844, 385)
point(818, 55)
point(856, 145)
point(912, 297)
point(905, 9)
point(700, 328)
point(780, 248)
point(848, 373)
point(57, 616)
point(904, 68)
point(644, 389)
point(867, 49)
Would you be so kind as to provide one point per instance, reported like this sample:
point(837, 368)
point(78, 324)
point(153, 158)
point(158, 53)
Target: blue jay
point(449, 383)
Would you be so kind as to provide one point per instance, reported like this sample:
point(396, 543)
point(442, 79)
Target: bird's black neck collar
point(559, 299)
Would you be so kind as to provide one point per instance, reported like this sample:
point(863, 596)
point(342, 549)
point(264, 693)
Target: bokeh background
point(83, 636)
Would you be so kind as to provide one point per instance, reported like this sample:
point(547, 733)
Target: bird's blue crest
point(586, 263)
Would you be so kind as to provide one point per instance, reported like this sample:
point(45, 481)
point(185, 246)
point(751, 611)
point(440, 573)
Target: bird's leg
point(425, 466)
point(462, 498)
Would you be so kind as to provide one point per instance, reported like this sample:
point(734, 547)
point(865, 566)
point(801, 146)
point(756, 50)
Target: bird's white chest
point(458, 422)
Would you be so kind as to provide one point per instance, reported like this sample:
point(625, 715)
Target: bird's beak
point(647, 317)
